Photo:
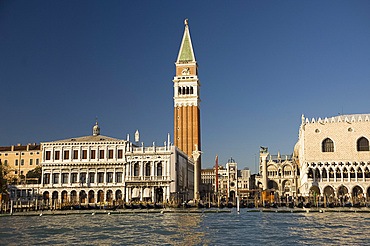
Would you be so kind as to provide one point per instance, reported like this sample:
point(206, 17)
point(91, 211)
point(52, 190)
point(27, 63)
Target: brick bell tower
point(186, 97)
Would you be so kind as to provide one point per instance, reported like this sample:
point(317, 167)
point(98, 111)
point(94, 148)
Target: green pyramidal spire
point(186, 53)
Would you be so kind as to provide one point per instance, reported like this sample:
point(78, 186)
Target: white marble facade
point(99, 169)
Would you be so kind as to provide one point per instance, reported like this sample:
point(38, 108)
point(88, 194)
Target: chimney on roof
point(12, 148)
point(28, 147)
point(19, 144)
point(34, 144)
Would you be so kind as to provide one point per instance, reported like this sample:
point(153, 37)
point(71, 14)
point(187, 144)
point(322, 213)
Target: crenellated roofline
point(339, 118)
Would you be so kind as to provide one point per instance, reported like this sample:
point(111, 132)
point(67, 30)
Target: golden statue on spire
point(186, 22)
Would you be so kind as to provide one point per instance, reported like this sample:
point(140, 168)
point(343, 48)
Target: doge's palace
point(333, 156)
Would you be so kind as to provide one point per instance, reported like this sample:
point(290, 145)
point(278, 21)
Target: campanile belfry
point(186, 97)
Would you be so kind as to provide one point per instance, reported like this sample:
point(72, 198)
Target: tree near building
point(34, 176)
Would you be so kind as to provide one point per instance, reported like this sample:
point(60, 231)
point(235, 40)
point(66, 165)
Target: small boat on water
point(291, 205)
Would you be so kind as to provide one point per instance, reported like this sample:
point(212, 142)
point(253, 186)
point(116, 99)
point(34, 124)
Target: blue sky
point(261, 65)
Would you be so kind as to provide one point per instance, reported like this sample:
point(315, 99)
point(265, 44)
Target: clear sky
point(262, 64)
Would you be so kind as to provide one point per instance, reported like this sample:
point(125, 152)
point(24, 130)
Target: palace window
point(147, 169)
point(136, 169)
point(66, 155)
point(64, 178)
point(93, 154)
point(338, 174)
point(57, 155)
point(359, 173)
point(37, 161)
point(55, 178)
point(100, 177)
point(109, 177)
point(22, 162)
point(159, 169)
point(101, 154)
point(327, 145)
point(345, 173)
point(118, 177)
point(31, 162)
point(82, 178)
point(110, 154)
point(84, 154)
point(16, 162)
point(367, 173)
point(352, 173)
point(75, 154)
point(47, 155)
point(363, 144)
point(120, 154)
point(46, 178)
point(73, 177)
point(91, 178)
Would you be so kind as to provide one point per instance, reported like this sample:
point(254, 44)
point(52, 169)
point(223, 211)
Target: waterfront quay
point(348, 226)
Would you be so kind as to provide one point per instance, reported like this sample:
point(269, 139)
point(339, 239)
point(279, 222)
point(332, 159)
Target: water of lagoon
point(246, 228)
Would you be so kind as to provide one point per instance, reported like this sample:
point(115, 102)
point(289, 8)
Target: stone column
point(196, 155)
point(153, 195)
point(168, 193)
point(263, 160)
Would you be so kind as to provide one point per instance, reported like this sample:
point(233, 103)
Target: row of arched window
point(328, 145)
point(338, 173)
point(186, 90)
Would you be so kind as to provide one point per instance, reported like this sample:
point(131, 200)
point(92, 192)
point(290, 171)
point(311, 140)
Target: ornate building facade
point(282, 174)
point(333, 155)
point(99, 169)
point(231, 181)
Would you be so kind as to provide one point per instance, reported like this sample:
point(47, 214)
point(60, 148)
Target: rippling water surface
point(254, 228)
